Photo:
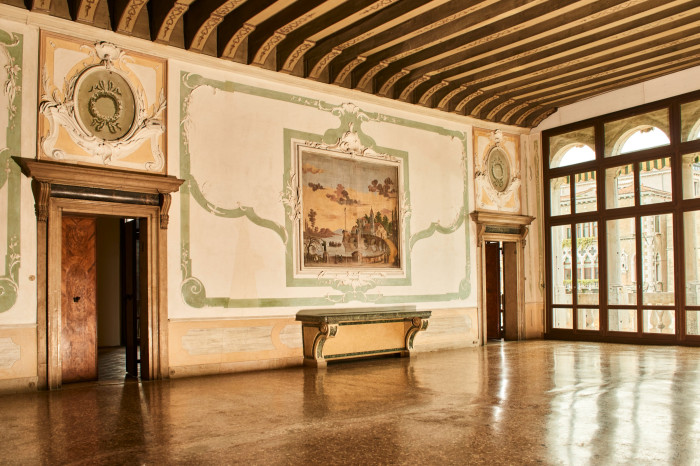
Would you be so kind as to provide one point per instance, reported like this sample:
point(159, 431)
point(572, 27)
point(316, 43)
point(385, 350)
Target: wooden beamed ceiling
point(508, 61)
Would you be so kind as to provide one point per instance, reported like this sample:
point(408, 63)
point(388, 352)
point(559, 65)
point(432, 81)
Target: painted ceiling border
point(351, 289)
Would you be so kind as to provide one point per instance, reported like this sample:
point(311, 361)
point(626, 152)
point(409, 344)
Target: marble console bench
point(333, 334)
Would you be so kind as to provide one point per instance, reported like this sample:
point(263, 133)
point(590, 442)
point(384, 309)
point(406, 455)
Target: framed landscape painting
point(350, 210)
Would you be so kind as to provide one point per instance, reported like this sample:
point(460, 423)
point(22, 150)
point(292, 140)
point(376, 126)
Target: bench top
point(332, 316)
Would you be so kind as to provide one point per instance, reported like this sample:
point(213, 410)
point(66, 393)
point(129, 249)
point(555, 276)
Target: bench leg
point(417, 325)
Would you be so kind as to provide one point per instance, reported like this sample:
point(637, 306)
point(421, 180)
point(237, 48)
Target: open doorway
point(100, 328)
point(65, 190)
point(501, 285)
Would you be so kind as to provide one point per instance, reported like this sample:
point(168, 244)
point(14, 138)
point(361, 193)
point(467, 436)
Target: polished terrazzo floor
point(511, 403)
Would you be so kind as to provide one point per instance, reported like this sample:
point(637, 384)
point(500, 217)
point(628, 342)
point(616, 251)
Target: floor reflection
point(532, 402)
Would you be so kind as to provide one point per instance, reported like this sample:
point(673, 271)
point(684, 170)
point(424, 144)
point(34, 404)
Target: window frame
point(677, 207)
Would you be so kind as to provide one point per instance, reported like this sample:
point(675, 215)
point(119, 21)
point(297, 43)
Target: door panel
point(143, 297)
point(510, 292)
point(493, 291)
point(129, 293)
point(78, 299)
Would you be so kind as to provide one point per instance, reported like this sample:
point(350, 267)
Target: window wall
point(622, 222)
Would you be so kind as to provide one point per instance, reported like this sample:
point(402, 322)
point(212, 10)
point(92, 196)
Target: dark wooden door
point(78, 300)
point(129, 293)
point(493, 290)
point(510, 292)
point(144, 330)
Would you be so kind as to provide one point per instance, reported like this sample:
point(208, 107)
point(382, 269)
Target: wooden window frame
point(678, 206)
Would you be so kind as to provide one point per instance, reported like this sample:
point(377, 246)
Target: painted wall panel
point(18, 46)
point(235, 211)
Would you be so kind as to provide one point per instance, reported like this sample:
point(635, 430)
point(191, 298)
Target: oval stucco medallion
point(105, 104)
point(498, 169)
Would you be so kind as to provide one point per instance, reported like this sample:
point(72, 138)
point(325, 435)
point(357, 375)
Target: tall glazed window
point(623, 225)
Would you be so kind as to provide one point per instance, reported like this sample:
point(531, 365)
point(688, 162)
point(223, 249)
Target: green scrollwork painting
point(11, 102)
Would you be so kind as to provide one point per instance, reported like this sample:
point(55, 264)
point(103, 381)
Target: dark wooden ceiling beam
point(233, 31)
point(442, 70)
point(507, 30)
point(85, 10)
point(291, 50)
point(433, 26)
point(559, 45)
point(622, 53)
point(263, 40)
point(527, 115)
point(573, 79)
point(318, 58)
point(501, 108)
point(202, 19)
point(38, 6)
point(73, 7)
point(124, 14)
point(533, 116)
point(163, 16)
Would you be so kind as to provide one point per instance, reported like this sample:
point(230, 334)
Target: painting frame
point(354, 242)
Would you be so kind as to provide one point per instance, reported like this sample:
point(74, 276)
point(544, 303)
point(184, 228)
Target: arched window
point(576, 153)
point(644, 138)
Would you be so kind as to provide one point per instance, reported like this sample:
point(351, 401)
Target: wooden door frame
point(501, 227)
point(62, 189)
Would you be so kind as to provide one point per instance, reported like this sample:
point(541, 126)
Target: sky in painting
point(321, 176)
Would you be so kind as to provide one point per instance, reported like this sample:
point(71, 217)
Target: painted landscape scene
point(351, 212)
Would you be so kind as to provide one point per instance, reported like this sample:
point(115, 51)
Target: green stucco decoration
point(356, 286)
point(10, 175)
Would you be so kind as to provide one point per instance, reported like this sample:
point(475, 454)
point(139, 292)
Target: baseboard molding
point(233, 367)
point(19, 385)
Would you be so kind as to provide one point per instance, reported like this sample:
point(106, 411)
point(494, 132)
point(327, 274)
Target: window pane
point(655, 181)
point(622, 253)
point(622, 320)
point(572, 147)
point(690, 121)
point(657, 259)
point(659, 321)
point(585, 192)
point(691, 175)
point(619, 187)
point(561, 264)
point(562, 318)
point(587, 262)
point(692, 322)
point(638, 132)
point(691, 237)
point(588, 319)
point(560, 196)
